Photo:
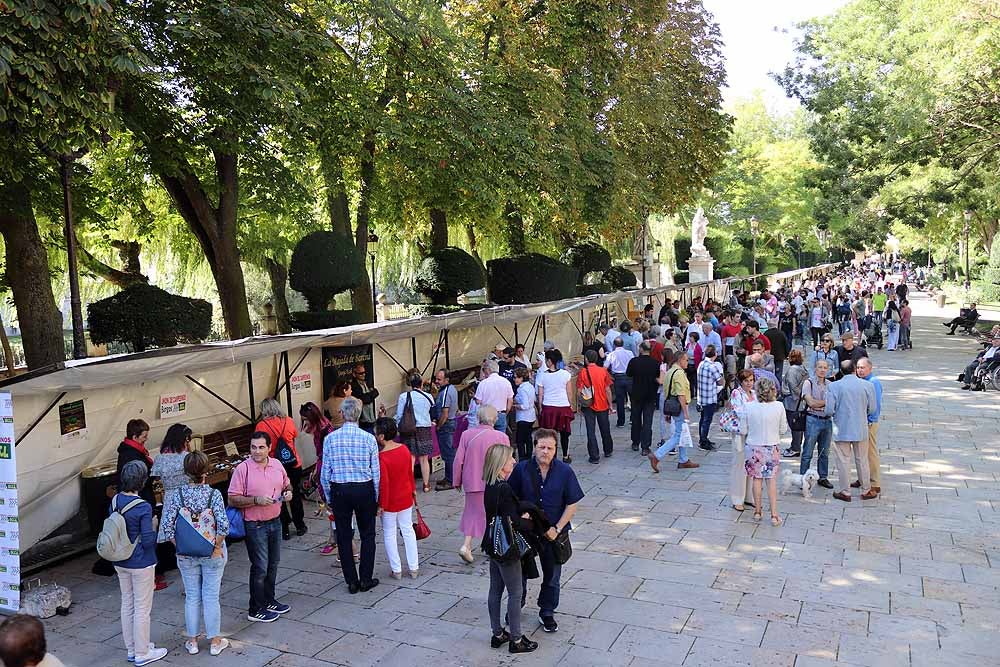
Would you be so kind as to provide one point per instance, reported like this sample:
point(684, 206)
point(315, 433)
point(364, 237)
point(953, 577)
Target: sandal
point(775, 520)
point(739, 508)
point(757, 516)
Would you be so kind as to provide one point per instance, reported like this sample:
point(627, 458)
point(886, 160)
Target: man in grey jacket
point(850, 401)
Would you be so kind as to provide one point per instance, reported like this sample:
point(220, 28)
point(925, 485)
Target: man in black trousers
point(643, 371)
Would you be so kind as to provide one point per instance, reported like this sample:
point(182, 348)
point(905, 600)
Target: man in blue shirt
point(552, 485)
point(851, 401)
point(865, 372)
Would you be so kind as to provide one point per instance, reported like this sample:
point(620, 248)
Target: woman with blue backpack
point(194, 520)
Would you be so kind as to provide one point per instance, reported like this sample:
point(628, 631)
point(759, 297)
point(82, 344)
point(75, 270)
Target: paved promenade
point(664, 572)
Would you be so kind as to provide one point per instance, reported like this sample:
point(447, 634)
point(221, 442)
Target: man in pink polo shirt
point(258, 487)
point(495, 390)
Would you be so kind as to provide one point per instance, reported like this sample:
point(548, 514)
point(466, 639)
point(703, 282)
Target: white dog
point(805, 482)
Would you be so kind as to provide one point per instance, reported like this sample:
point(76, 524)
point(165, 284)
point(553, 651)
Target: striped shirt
point(350, 455)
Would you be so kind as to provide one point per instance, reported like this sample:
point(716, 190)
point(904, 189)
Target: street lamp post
point(754, 230)
point(965, 231)
point(372, 243)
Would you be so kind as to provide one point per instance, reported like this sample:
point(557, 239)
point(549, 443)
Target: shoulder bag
point(194, 531)
point(408, 421)
point(797, 417)
point(585, 395)
point(283, 450)
point(671, 404)
point(237, 531)
point(502, 542)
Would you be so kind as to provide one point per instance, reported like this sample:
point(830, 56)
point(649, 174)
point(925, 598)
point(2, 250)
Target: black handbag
point(671, 404)
point(797, 417)
point(502, 542)
point(562, 546)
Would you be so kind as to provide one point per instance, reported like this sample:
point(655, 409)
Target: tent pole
point(516, 339)
point(413, 349)
point(39, 418)
point(253, 403)
point(545, 335)
point(447, 351)
point(231, 406)
point(288, 382)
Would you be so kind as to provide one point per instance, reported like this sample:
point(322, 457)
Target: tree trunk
point(361, 296)
point(514, 229)
point(336, 193)
point(215, 228)
point(114, 276)
point(470, 237)
point(8, 353)
point(279, 279)
point(439, 229)
point(28, 278)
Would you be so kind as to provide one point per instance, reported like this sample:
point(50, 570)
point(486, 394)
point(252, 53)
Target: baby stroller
point(872, 335)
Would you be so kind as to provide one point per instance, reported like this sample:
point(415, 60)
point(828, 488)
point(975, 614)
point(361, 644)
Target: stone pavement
point(664, 572)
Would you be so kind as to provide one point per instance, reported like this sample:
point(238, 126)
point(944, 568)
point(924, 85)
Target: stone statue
point(699, 229)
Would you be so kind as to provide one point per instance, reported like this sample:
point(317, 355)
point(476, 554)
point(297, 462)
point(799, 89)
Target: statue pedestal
point(701, 269)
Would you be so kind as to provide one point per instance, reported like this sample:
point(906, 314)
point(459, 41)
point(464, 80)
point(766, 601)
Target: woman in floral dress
point(763, 423)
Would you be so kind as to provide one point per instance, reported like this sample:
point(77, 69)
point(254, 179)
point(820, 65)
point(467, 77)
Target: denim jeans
point(664, 429)
point(623, 384)
point(501, 422)
point(446, 443)
point(548, 594)
point(673, 443)
point(705, 421)
point(819, 431)
point(598, 419)
point(506, 576)
point(264, 548)
point(202, 578)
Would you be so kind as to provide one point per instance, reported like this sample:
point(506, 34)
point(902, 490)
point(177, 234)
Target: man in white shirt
point(695, 326)
point(495, 390)
point(617, 364)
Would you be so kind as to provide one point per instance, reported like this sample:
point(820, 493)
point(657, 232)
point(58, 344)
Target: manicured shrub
point(323, 264)
point(619, 278)
point(596, 288)
point(529, 278)
point(323, 319)
point(144, 316)
point(586, 257)
point(445, 274)
point(421, 309)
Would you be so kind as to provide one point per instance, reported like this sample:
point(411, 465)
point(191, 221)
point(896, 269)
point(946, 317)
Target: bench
point(968, 326)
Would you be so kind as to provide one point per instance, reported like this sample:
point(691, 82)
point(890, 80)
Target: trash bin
point(96, 480)
point(940, 299)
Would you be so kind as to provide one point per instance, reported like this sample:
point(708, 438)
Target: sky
point(759, 37)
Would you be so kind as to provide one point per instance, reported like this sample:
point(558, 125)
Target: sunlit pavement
point(664, 572)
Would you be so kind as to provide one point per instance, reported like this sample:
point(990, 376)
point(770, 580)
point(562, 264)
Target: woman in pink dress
point(467, 472)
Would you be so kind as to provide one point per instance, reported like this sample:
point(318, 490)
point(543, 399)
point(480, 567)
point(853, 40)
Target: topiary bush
point(323, 319)
point(143, 316)
point(586, 257)
point(323, 264)
point(596, 288)
point(421, 309)
point(619, 278)
point(445, 274)
point(529, 278)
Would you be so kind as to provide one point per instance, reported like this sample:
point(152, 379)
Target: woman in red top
point(396, 496)
point(274, 422)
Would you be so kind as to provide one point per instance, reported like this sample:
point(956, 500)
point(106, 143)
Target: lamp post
point(754, 231)
point(372, 243)
point(965, 232)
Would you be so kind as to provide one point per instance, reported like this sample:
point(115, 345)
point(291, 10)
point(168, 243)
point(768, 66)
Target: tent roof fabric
point(97, 372)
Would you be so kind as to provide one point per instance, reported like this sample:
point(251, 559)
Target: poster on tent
point(10, 545)
point(338, 362)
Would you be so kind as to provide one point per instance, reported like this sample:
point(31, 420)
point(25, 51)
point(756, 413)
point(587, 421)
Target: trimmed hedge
point(529, 278)
point(597, 288)
point(421, 309)
point(310, 320)
point(144, 316)
point(586, 257)
point(619, 278)
point(445, 274)
point(324, 264)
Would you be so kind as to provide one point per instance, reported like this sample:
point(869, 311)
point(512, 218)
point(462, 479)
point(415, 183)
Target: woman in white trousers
point(739, 483)
point(396, 498)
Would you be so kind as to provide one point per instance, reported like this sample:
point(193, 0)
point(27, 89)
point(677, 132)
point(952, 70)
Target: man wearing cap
point(849, 350)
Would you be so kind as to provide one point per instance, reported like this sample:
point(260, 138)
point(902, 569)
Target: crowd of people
point(785, 361)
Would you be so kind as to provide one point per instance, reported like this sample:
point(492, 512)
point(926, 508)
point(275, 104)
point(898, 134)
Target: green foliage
point(596, 288)
point(529, 278)
point(619, 278)
point(421, 309)
point(323, 264)
point(587, 257)
point(445, 274)
point(310, 320)
point(143, 316)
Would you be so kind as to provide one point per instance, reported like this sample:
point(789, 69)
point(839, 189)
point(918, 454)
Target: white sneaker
point(222, 646)
point(152, 656)
point(131, 657)
point(192, 646)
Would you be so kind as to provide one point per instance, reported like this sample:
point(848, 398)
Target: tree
point(57, 63)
